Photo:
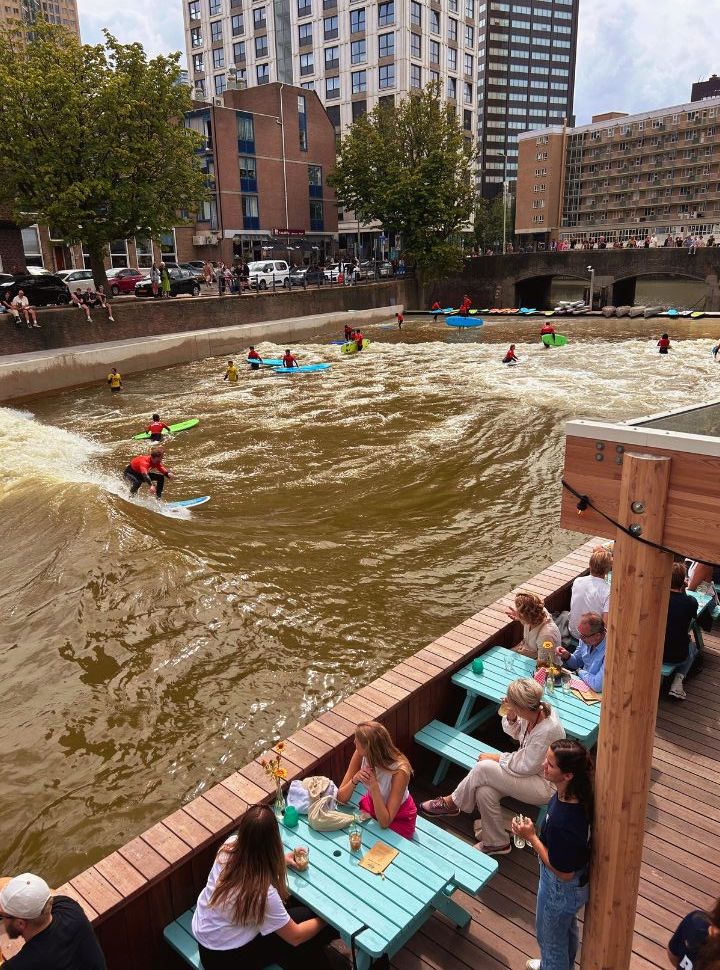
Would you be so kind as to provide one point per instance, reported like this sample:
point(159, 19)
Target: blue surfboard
point(303, 369)
point(266, 361)
point(459, 321)
point(187, 503)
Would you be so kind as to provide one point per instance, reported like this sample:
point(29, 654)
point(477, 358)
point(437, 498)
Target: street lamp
point(591, 271)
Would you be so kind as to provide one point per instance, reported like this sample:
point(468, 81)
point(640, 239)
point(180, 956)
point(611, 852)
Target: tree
point(489, 223)
point(93, 141)
point(409, 167)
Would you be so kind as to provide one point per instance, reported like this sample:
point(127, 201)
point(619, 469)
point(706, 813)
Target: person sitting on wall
point(680, 648)
point(77, 299)
point(588, 659)
point(22, 305)
point(98, 298)
point(7, 306)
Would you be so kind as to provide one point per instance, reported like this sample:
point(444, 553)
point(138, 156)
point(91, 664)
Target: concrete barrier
point(24, 375)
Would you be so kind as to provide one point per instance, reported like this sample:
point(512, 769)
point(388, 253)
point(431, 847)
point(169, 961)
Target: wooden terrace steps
point(137, 890)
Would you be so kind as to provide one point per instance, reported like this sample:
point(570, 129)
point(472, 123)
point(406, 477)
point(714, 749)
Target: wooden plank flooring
point(682, 831)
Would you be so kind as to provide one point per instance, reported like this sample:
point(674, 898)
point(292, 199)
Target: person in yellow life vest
point(115, 381)
point(231, 374)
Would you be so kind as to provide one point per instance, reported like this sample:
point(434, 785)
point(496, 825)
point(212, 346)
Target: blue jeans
point(684, 667)
point(558, 901)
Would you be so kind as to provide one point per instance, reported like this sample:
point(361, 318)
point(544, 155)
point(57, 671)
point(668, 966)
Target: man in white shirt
point(22, 305)
point(591, 594)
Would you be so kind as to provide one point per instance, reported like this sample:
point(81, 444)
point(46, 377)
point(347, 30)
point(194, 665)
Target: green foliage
point(409, 167)
point(488, 226)
point(93, 139)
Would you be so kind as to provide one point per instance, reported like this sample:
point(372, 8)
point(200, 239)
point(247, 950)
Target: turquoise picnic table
point(580, 720)
point(379, 914)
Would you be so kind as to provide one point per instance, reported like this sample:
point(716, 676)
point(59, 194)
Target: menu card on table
point(378, 858)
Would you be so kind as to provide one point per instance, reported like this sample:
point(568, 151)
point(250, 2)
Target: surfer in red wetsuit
point(155, 428)
point(510, 357)
point(465, 306)
point(663, 344)
point(358, 338)
point(148, 469)
point(348, 332)
point(435, 310)
point(289, 360)
point(547, 329)
point(254, 358)
point(400, 319)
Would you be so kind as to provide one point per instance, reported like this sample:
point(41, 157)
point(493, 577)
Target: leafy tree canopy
point(93, 142)
point(409, 167)
point(488, 225)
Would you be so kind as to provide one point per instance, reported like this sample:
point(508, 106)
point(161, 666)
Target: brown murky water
point(355, 515)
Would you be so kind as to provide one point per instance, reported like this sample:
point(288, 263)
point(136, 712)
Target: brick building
point(622, 177)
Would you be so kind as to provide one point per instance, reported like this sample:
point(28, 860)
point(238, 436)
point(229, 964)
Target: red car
point(124, 280)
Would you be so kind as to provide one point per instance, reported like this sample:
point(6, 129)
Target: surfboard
point(554, 340)
point(351, 347)
point(303, 369)
point(696, 314)
point(174, 429)
point(458, 321)
point(187, 503)
point(267, 362)
point(338, 343)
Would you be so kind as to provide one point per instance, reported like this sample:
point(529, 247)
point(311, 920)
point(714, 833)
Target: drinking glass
point(301, 855)
point(565, 682)
point(518, 840)
point(509, 661)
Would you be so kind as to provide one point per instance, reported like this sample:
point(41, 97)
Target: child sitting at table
point(385, 772)
point(244, 916)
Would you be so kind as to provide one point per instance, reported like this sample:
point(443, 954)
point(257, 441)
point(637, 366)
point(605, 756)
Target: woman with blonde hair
point(385, 772)
point(538, 625)
point(516, 775)
point(244, 916)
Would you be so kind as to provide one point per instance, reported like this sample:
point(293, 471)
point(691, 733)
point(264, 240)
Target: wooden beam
point(636, 633)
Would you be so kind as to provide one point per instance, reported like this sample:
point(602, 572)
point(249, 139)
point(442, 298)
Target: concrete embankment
point(40, 371)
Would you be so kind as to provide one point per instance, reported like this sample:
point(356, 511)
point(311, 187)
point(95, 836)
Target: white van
point(264, 271)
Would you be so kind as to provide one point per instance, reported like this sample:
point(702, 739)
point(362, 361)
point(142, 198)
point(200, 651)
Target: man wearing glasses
point(56, 931)
point(588, 660)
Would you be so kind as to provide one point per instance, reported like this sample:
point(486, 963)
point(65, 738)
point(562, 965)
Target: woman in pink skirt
point(385, 772)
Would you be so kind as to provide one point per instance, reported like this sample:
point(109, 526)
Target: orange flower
point(281, 773)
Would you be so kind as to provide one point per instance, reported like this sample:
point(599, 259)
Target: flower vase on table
point(280, 804)
point(273, 769)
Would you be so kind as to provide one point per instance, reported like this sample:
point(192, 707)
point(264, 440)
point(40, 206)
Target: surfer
point(115, 381)
point(435, 309)
point(231, 373)
point(663, 344)
point(155, 428)
point(465, 306)
point(289, 360)
point(400, 318)
point(548, 329)
point(358, 338)
point(254, 358)
point(715, 350)
point(510, 357)
point(348, 333)
point(148, 469)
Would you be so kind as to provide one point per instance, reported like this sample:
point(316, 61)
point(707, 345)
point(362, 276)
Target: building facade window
point(386, 45)
point(261, 46)
point(452, 29)
point(194, 10)
point(245, 133)
point(358, 52)
point(415, 13)
point(434, 21)
point(386, 76)
point(216, 32)
point(452, 59)
point(330, 27)
point(31, 246)
point(332, 58)
point(304, 8)
point(386, 13)
point(434, 52)
point(119, 253)
point(302, 122)
point(259, 21)
point(359, 81)
point(237, 24)
point(220, 81)
point(305, 35)
point(248, 173)
point(357, 21)
point(215, 7)
point(315, 181)
point(317, 223)
point(218, 56)
point(196, 37)
point(415, 45)
point(307, 65)
point(198, 64)
point(143, 252)
point(239, 52)
point(262, 73)
point(332, 88)
point(415, 76)
point(251, 212)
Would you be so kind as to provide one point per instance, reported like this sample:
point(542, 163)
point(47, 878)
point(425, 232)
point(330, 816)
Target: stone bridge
point(524, 279)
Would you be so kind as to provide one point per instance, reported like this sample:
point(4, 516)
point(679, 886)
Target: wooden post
point(636, 632)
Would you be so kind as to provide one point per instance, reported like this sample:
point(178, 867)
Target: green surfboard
point(554, 340)
point(174, 429)
point(351, 347)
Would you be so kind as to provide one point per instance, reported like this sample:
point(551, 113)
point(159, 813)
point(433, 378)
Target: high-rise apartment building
point(623, 177)
point(506, 66)
point(62, 12)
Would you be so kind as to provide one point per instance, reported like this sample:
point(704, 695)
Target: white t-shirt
point(385, 780)
point(590, 594)
point(213, 926)
point(21, 302)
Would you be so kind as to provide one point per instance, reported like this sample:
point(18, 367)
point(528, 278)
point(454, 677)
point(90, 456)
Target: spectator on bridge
point(538, 625)
point(679, 647)
point(22, 305)
point(668, 241)
point(56, 931)
point(710, 242)
point(519, 774)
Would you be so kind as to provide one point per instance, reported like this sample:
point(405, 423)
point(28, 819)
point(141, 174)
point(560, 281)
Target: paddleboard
point(458, 321)
point(351, 347)
point(554, 340)
point(303, 369)
point(697, 314)
point(266, 362)
point(174, 429)
point(187, 503)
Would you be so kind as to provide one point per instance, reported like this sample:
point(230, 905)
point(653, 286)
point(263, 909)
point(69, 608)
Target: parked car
point(123, 280)
point(332, 272)
point(315, 277)
point(193, 268)
point(297, 275)
point(368, 270)
point(41, 288)
point(181, 281)
point(265, 272)
point(385, 269)
point(78, 279)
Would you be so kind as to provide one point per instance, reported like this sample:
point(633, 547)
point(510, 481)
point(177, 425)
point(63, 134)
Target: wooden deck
point(135, 891)
point(681, 836)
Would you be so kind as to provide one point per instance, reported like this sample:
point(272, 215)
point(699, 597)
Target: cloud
point(156, 24)
point(637, 55)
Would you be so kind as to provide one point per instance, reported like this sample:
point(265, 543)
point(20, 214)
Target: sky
point(633, 55)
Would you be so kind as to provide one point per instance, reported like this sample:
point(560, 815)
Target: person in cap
point(56, 931)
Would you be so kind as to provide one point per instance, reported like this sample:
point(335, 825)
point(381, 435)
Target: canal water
point(355, 515)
